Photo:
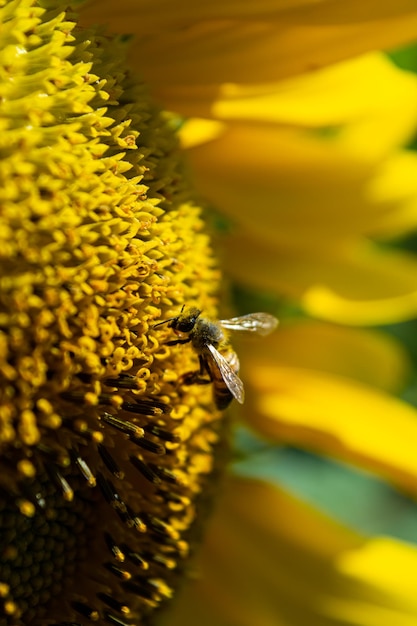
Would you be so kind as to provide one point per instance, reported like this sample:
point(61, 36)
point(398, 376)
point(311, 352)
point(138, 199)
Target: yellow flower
point(331, 389)
point(340, 129)
point(268, 559)
point(108, 457)
point(194, 46)
point(341, 133)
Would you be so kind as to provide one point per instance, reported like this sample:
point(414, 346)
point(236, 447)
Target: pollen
point(107, 458)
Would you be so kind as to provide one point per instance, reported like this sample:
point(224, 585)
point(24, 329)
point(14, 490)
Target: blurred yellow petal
point(291, 188)
point(373, 559)
point(328, 304)
point(338, 94)
point(344, 167)
point(271, 560)
point(236, 42)
point(395, 185)
point(334, 95)
point(366, 356)
point(160, 15)
point(335, 416)
point(371, 287)
point(354, 285)
point(381, 559)
point(198, 131)
point(254, 173)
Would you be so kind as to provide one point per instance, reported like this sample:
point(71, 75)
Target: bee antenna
point(171, 319)
point(164, 322)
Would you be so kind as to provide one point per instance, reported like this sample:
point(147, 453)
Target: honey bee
point(207, 338)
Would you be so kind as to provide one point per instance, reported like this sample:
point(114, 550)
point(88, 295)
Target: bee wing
point(232, 380)
point(257, 323)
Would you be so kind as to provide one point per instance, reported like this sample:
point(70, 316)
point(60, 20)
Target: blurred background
point(353, 496)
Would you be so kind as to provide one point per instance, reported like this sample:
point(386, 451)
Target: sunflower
point(275, 94)
point(100, 240)
point(109, 458)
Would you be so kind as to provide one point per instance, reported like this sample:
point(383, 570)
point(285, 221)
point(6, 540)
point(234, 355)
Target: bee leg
point(175, 342)
point(204, 369)
point(202, 377)
point(194, 378)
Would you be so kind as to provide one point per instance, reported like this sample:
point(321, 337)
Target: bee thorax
point(206, 333)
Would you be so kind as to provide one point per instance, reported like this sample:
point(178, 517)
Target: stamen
point(113, 498)
point(150, 588)
point(86, 611)
point(74, 396)
point(85, 471)
point(161, 527)
point(105, 488)
point(125, 427)
point(136, 521)
point(114, 604)
point(137, 559)
point(167, 475)
point(110, 462)
point(145, 470)
point(122, 574)
point(115, 620)
point(159, 432)
point(148, 445)
point(61, 482)
point(180, 502)
point(162, 560)
point(143, 408)
point(58, 455)
point(123, 382)
point(115, 550)
point(140, 589)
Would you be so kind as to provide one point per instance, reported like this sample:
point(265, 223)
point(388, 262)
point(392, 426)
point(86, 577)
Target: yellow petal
point(338, 94)
point(253, 173)
point(326, 303)
point(395, 185)
point(271, 560)
point(335, 95)
point(336, 416)
point(161, 15)
point(198, 131)
point(183, 43)
point(352, 284)
point(349, 186)
point(366, 356)
point(375, 559)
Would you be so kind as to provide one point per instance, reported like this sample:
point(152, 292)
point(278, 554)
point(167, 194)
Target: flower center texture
point(107, 459)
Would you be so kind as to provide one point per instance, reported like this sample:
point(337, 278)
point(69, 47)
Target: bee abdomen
point(222, 396)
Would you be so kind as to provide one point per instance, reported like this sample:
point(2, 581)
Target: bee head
point(186, 320)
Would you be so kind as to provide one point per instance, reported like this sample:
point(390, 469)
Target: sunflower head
point(104, 453)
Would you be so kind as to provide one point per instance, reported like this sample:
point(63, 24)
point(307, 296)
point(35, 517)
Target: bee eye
point(186, 327)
